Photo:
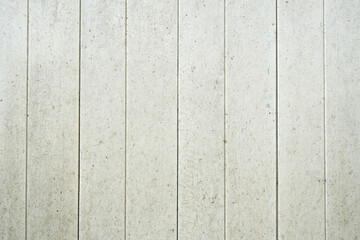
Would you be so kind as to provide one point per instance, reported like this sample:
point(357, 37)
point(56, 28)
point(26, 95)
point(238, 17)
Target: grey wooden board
point(250, 119)
point(13, 52)
point(53, 119)
point(201, 120)
point(301, 120)
point(151, 154)
point(102, 120)
point(342, 33)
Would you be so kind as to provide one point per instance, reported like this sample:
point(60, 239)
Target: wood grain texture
point(13, 54)
point(102, 120)
point(343, 118)
point(53, 119)
point(201, 120)
point(251, 115)
point(301, 120)
point(151, 120)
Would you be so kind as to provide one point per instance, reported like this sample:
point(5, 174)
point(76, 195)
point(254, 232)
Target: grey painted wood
point(151, 154)
point(301, 120)
point(53, 119)
point(13, 52)
point(178, 135)
point(201, 120)
point(343, 118)
point(102, 136)
point(251, 115)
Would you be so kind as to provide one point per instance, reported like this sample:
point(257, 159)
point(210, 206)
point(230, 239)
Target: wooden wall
point(179, 119)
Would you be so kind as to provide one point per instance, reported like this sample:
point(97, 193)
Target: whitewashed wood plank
point(151, 120)
point(13, 55)
point(342, 21)
point(53, 119)
point(301, 120)
point(201, 125)
point(102, 120)
point(250, 119)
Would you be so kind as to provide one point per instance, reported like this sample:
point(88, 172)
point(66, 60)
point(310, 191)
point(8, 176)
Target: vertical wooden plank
point(13, 55)
point(342, 21)
point(250, 119)
point(102, 120)
point(53, 119)
point(151, 119)
point(201, 124)
point(301, 120)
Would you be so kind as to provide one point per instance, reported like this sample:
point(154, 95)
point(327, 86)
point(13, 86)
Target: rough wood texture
point(251, 115)
point(343, 118)
point(53, 120)
point(13, 48)
point(201, 124)
point(151, 120)
point(301, 120)
point(102, 135)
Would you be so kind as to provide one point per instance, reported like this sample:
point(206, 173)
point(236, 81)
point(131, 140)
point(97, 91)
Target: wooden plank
point(342, 21)
point(151, 120)
point(250, 122)
point(13, 55)
point(102, 120)
point(53, 119)
point(201, 124)
point(301, 120)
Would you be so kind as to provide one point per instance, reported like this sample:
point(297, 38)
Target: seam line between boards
point(177, 117)
point(277, 123)
point(324, 119)
point(125, 123)
point(79, 132)
point(224, 113)
point(27, 115)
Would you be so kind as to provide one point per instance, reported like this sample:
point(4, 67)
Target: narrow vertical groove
point(125, 123)
point(79, 105)
point(324, 124)
point(225, 207)
point(177, 116)
point(27, 115)
point(277, 121)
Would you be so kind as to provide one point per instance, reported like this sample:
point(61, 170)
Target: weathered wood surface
point(179, 119)
point(301, 189)
point(102, 120)
point(53, 101)
point(13, 72)
point(250, 119)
